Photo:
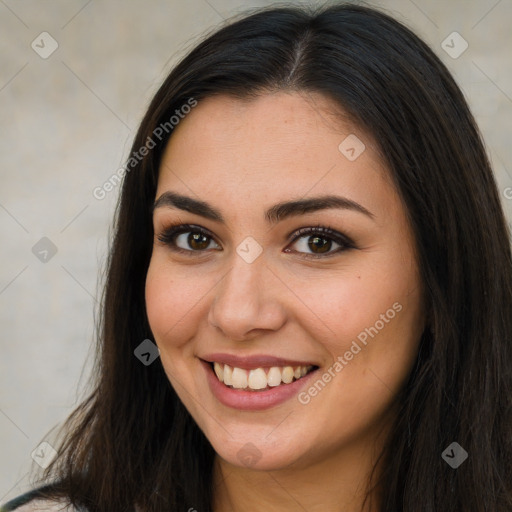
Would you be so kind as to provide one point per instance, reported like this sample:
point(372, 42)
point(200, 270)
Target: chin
point(249, 456)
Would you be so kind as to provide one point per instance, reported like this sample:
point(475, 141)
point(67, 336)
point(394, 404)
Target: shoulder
point(31, 501)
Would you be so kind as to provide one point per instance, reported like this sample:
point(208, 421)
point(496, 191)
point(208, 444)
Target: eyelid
point(327, 231)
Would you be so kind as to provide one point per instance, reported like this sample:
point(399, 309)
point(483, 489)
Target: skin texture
point(243, 157)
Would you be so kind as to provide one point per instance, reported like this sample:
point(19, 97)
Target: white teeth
point(219, 371)
point(287, 374)
point(274, 376)
point(239, 378)
point(257, 378)
point(228, 374)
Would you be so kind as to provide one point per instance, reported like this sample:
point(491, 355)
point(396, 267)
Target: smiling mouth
point(259, 379)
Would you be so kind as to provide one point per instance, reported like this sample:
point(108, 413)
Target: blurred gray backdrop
point(75, 79)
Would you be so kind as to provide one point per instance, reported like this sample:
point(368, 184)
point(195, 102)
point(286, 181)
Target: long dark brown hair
point(131, 441)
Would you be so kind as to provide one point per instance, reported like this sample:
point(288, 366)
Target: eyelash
point(169, 235)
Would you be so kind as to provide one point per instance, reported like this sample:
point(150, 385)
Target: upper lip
point(254, 361)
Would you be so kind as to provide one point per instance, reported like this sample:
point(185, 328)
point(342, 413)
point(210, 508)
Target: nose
point(247, 301)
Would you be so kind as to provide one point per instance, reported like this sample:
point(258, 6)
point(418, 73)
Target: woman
point(309, 299)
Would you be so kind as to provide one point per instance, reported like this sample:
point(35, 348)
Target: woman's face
point(251, 287)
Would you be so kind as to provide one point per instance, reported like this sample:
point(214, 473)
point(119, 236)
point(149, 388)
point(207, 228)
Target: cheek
point(171, 303)
point(371, 354)
point(373, 315)
point(341, 305)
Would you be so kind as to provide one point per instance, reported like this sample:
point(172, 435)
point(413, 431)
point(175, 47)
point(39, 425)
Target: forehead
point(276, 145)
point(295, 123)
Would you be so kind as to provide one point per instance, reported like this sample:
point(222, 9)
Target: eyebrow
point(274, 214)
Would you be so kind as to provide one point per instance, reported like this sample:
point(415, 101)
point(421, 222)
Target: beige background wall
point(66, 124)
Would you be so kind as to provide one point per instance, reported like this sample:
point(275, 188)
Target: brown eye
point(197, 241)
point(320, 242)
point(186, 238)
point(316, 245)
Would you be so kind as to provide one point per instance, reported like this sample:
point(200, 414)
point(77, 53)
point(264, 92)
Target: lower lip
point(253, 400)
